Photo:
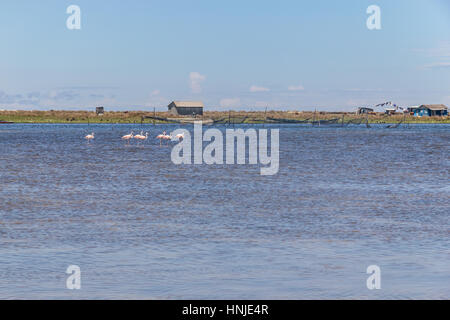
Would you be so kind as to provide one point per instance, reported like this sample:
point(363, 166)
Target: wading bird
point(161, 137)
point(141, 137)
point(167, 137)
point(179, 136)
point(89, 137)
point(128, 137)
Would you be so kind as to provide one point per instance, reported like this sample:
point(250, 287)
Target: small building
point(99, 111)
point(412, 109)
point(364, 110)
point(431, 110)
point(390, 111)
point(186, 108)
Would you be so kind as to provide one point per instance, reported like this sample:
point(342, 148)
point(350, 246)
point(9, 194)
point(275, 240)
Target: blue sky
point(242, 55)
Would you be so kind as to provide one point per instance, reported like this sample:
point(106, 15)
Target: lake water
point(141, 227)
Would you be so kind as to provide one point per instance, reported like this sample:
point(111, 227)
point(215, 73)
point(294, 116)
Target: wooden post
point(265, 117)
point(343, 119)
point(367, 120)
point(229, 117)
point(154, 115)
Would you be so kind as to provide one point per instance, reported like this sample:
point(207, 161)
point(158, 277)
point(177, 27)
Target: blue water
point(141, 227)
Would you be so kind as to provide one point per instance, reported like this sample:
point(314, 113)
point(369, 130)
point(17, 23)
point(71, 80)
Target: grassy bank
point(234, 116)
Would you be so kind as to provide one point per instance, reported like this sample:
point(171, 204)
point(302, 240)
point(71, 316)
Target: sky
point(234, 54)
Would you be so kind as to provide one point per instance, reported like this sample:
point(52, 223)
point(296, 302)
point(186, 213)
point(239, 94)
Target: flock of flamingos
point(141, 136)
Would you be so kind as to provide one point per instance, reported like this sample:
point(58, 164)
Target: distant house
point(430, 110)
point(186, 108)
point(390, 111)
point(412, 109)
point(364, 110)
point(99, 111)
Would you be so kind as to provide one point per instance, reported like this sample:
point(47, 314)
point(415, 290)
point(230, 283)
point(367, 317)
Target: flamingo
point(167, 137)
point(128, 137)
point(161, 137)
point(89, 137)
point(179, 136)
point(141, 137)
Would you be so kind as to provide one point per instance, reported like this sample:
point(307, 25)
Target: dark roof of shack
point(434, 107)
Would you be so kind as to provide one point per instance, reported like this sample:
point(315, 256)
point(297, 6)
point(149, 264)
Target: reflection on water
point(142, 227)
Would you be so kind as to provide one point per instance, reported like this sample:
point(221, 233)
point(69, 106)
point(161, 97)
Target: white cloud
point(195, 80)
point(258, 89)
point(230, 102)
point(156, 100)
point(296, 88)
point(438, 65)
point(261, 104)
point(441, 51)
point(357, 102)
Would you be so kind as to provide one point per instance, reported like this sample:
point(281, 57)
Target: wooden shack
point(186, 108)
point(99, 111)
point(364, 110)
point(412, 109)
point(431, 110)
point(390, 111)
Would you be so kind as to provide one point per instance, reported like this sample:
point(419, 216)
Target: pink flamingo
point(89, 137)
point(141, 137)
point(128, 137)
point(167, 137)
point(161, 137)
point(180, 136)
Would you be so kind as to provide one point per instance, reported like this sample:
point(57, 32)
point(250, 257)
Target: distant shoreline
point(250, 117)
